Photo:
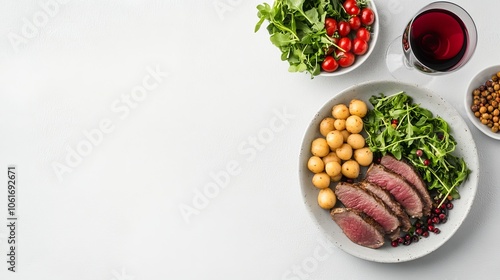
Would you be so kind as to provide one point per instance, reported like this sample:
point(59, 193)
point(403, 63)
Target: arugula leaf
point(416, 129)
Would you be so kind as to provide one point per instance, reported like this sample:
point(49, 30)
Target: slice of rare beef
point(387, 198)
point(358, 227)
point(355, 197)
point(400, 189)
point(411, 175)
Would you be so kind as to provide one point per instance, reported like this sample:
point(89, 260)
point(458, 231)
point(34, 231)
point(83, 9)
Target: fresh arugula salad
point(398, 126)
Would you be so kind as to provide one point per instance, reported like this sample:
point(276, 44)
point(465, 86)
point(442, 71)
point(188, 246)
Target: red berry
point(427, 162)
point(425, 234)
point(436, 231)
point(394, 243)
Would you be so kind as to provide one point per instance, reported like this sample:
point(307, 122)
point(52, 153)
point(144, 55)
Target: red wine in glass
point(438, 39)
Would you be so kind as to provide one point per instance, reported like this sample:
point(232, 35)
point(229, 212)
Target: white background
point(115, 214)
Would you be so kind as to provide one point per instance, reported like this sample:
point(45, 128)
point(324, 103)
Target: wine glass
point(439, 39)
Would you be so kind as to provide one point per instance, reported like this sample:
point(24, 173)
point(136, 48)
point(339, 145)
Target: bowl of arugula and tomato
point(322, 38)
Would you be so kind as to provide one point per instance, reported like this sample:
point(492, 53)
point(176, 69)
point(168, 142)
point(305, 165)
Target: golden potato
point(334, 139)
point(340, 111)
point(333, 168)
point(356, 140)
point(339, 124)
point(326, 126)
point(315, 164)
point(344, 152)
point(321, 180)
point(358, 108)
point(363, 156)
point(346, 134)
point(354, 124)
point(319, 147)
point(336, 178)
point(332, 156)
point(326, 198)
point(350, 169)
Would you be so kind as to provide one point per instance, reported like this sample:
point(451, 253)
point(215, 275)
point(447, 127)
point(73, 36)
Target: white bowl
point(466, 148)
point(371, 46)
point(477, 81)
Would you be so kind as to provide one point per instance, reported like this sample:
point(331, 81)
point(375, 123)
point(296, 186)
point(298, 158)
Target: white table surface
point(214, 86)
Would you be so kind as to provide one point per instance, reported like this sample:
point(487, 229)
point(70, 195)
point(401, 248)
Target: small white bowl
point(477, 81)
point(371, 46)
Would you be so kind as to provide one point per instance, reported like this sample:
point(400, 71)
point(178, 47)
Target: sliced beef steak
point(400, 189)
point(355, 197)
point(358, 227)
point(387, 198)
point(412, 176)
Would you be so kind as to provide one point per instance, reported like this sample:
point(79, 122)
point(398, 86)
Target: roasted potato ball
point(326, 125)
point(321, 180)
point(358, 108)
point(326, 198)
point(315, 164)
point(350, 169)
point(319, 147)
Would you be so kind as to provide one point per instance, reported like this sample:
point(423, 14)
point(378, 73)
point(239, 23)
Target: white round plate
point(466, 148)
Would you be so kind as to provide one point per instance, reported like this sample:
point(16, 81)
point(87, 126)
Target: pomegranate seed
point(437, 210)
point(407, 242)
point(418, 225)
point(414, 238)
point(442, 216)
point(436, 220)
point(394, 243)
point(449, 205)
point(427, 162)
point(436, 231)
point(419, 153)
point(425, 234)
point(394, 121)
point(444, 220)
point(430, 227)
point(401, 240)
point(419, 231)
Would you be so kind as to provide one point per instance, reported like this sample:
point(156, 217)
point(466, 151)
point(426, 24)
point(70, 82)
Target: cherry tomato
point(351, 7)
point(359, 46)
point(363, 34)
point(344, 28)
point(345, 44)
point(345, 59)
point(367, 16)
point(330, 26)
point(329, 64)
point(354, 23)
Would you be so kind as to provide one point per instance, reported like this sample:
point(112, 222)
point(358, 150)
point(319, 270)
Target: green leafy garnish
point(297, 28)
point(406, 130)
